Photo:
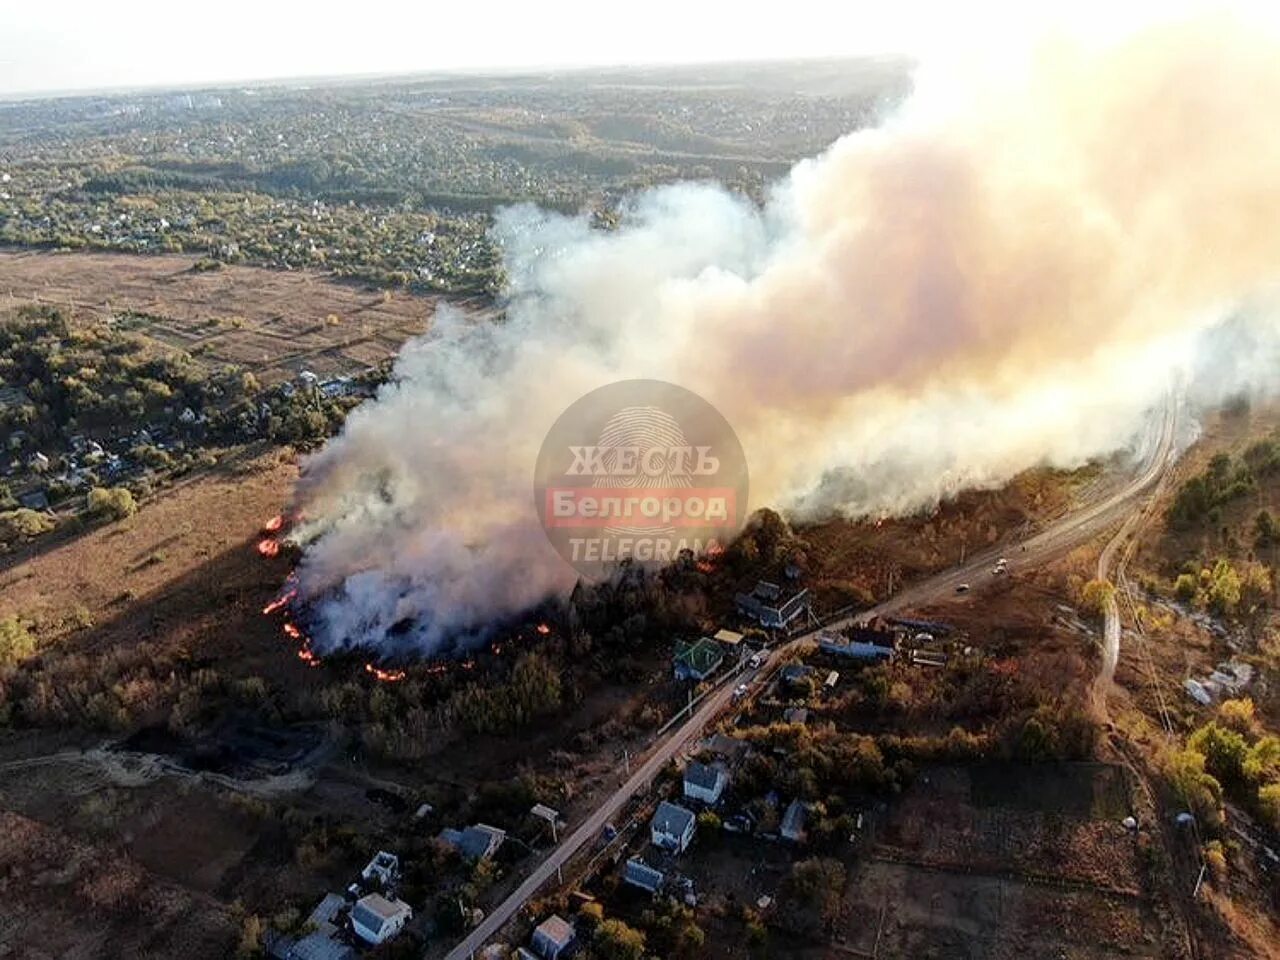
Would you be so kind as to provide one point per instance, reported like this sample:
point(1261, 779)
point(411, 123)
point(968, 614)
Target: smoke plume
point(1007, 272)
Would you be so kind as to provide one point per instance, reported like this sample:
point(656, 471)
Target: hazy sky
point(73, 44)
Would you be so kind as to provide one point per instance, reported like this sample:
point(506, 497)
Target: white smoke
point(1006, 273)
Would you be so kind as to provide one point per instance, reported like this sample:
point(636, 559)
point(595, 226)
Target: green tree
point(1269, 804)
point(1224, 752)
point(618, 941)
point(1262, 765)
point(1224, 588)
point(1238, 715)
point(809, 897)
point(1185, 770)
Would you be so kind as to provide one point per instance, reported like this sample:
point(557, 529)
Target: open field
point(1004, 861)
point(273, 323)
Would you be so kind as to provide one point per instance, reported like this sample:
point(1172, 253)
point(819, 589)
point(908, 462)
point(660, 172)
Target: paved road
point(1058, 538)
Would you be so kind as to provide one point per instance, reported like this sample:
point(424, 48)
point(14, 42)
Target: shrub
point(1095, 596)
point(1269, 804)
point(110, 503)
point(23, 524)
point(16, 641)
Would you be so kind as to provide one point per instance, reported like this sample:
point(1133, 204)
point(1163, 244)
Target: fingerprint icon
point(645, 428)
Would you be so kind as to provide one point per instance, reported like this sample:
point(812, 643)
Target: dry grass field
point(273, 323)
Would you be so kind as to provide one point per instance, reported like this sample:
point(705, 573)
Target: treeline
point(1200, 500)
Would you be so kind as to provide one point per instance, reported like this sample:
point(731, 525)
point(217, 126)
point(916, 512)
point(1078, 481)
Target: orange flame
point(268, 547)
point(543, 629)
point(384, 676)
point(292, 632)
point(280, 602)
point(275, 524)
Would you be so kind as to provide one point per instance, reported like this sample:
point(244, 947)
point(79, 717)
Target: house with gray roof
point(704, 782)
point(672, 827)
point(375, 919)
point(477, 842)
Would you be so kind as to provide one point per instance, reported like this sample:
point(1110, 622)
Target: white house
point(705, 782)
point(375, 919)
point(672, 827)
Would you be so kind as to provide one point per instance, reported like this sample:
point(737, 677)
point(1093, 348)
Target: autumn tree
point(618, 941)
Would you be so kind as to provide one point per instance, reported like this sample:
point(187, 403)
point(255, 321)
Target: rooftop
point(380, 907)
point(702, 775)
point(672, 819)
point(701, 657)
point(556, 929)
point(640, 874)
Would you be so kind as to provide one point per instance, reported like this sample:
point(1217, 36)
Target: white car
point(740, 691)
point(755, 661)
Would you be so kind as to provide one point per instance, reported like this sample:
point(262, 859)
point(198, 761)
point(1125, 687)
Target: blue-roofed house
point(477, 842)
point(637, 873)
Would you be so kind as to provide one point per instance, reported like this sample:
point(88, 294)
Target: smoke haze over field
point(1006, 273)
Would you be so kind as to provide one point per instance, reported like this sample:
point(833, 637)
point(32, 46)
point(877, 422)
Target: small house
point(475, 843)
point(772, 606)
point(672, 827)
point(704, 782)
point(697, 661)
point(553, 937)
point(637, 873)
point(375, 919)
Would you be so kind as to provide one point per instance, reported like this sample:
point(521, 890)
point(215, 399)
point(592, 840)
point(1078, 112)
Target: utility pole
point(626, 761)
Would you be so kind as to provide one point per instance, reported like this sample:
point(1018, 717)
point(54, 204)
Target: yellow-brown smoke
point(1008, 272)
